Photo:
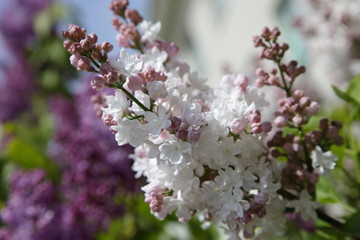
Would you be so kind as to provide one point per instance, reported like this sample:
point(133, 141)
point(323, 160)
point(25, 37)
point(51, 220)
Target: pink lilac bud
point(275, 33)
point(288, 148)
point(246, 218)
point(160, 76)
point(119, 6)
point(107, 47)
point(254, 116)
point(324, 124)
point(305, 102)
point(182, 134)
point(76, 33)
point(265, 33)
point(337, 124)
point(297, 94)
point(155, 199)
point(260, 82)
point(67, 44)
point(298, 120)
point(97, 83)
point(193, 135)
point(81, 63)
point(260, 72)
point(175, 124)
point(128, 34)
point(237, 126)
point(74, 59)
point(313, 108)
point(75, 48)
point(280, 122)
point(266, 127)
point(258, 42)
point(148, 74)
point(123, 41)
point(86, 44)
point(135, 83)
point(116, 23)
point(108, 120)
point(332, 132)
point(256, 127)
point(92, 37)
point(133, 15)
point(241, 81)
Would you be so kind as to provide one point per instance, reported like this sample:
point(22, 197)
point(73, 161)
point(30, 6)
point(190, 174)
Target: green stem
point(134, 99)
point(286, 88)
point(138, 47)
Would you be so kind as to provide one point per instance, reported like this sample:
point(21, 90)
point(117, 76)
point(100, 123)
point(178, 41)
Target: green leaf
point(325, 192)
point(352, 225)
point(354, 88)
point(24, 155)
point(346, 97)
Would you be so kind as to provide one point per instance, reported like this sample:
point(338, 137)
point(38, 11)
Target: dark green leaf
point(352, 225)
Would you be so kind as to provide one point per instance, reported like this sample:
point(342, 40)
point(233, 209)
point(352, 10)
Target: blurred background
point(55, 172)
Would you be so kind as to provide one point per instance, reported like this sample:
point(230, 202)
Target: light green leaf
point(346, 97)
point(24, 155)
point(325, 192)
point(354, 88)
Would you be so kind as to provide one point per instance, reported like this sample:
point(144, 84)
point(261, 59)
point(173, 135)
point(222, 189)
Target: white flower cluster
point(200, 149)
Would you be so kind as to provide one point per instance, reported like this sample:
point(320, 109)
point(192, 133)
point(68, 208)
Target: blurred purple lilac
point(15, 90)
point(16, 22)
point(32, 210)
point(96, 170)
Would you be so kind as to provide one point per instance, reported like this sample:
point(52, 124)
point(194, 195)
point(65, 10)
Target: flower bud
point(135, 83)
point(106, 47)
point(280, 122)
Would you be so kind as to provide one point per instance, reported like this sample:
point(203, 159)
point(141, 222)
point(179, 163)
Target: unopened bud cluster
point(308, 154)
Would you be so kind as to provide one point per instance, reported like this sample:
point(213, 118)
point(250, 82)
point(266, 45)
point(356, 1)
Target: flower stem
point(286, 88)
point(134, 99)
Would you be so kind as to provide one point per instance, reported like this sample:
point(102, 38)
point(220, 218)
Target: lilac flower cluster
point(16, 30)
point(32, 210)
point(307, 153)
point(202, 150)
point(85, 201)
point(15, 90)
point(93, 166)
point(16, 22)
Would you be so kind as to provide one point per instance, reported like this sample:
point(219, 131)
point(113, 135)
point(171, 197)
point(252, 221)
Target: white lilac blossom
point(323, 160)
point(305, 206)
point(192, 162)
point(128, 65)
point(150, 30)
point(202, 150)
